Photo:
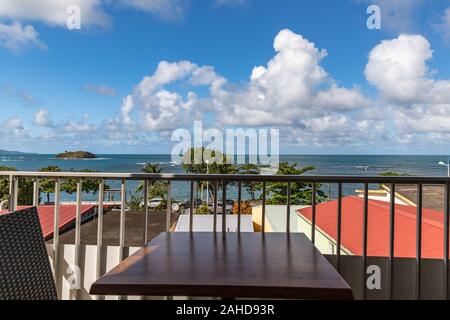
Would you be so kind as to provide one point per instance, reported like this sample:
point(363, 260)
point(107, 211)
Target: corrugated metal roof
point(378, 227)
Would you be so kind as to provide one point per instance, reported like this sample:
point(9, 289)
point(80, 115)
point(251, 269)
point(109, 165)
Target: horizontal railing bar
point(210, 177)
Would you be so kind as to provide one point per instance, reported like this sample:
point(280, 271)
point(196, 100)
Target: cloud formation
point(16, 37)
point(398, 69)
point(397, 16)
point(42, 119)
point(102, 90)
point(166, 9)
point(444, 25)
point(292, 91)
point(159, 108)
point(54, 12)
point(292, 87)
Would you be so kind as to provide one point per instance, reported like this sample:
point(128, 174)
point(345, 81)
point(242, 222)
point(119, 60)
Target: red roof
point(378, 227)
point(67, 214)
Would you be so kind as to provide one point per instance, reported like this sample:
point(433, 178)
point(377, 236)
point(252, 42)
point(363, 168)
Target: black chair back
point(25, 271)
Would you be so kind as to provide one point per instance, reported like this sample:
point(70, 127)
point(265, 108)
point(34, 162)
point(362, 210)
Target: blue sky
point(65, 89)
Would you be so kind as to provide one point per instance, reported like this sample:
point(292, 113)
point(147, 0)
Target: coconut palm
point(153, 187)
point(214, 165)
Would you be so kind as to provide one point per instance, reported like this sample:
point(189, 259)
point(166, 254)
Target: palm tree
point(224, 167)
point(152, 168)
point(154, 187)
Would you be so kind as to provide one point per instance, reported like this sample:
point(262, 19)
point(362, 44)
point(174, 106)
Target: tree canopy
point(301, 193)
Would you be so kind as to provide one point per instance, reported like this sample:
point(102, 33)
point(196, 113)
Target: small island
point(76, 155)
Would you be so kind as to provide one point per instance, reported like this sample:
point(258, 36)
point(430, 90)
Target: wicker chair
point(25, 272)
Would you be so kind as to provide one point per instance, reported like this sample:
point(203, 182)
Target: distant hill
point(12, 152)
point(76, 155)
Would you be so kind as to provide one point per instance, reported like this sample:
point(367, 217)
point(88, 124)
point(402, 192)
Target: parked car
point(153, 203)
point(229, 207)
point(187, 204)
point(175, 206)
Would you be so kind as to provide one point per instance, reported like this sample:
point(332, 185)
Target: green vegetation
point(194, 161)
point(25, 188)
point(251, 187)
point(152, 185)
point(203, 210)
point(301, 193)
point(69, 186)
point(47, 186)
point(155, 188)
point(394, 174)
point(76, 155)
point(88, 186)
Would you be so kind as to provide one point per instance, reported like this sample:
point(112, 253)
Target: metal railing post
point(288, 208)
point(11, 194)
point(191, 210)
point(78, 236)
point(36, 192)
point(16, 193)
point(145, 231)
point(419, 240)
point(365, 236)
point(264, 207)
point(216, 187)
point(224, 207)
point(56, 225)
point(101, 195)
point(123, 204)
point(314, 213)
point(339, 227)
point(392, 242)
point(446, 238)
point(169, 206)
point(239, 205)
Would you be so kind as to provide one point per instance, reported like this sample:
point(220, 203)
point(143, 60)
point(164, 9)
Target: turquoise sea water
point(325, 165)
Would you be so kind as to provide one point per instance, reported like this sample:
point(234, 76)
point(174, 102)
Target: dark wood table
point(249, 265)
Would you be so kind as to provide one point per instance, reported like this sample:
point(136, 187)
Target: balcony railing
point(389, 262)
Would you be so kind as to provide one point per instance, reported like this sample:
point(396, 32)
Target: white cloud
point(419, 104)
point(293, 90)
point(13, 129)
point(42, 118)
point(24, 97)
point(397, 15)
point(230, 2)
point(333, 131)
point(14, 123)
point(161, 109)
point(444, 26)
point(16, 37)
point(126, 109)
point(73, 127)
point(54, 12)
point(398, 68)
point(292, 87)
point(102, 90)
point(166, 9)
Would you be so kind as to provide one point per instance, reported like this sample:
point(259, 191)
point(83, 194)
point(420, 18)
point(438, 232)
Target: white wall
point(88, 265)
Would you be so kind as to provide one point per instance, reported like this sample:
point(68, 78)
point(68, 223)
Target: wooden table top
point(249, 265)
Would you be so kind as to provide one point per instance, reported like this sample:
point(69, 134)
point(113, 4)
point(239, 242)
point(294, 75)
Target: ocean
point(324, 165)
